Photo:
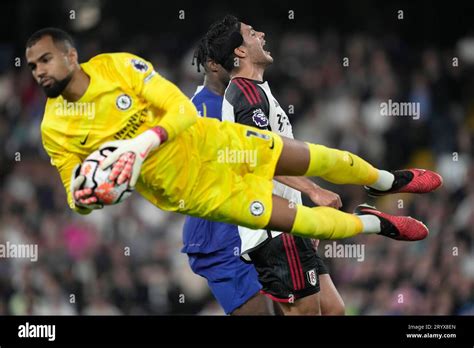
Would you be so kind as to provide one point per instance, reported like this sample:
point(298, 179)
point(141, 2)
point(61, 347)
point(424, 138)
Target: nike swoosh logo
point(144, 153)
point(273, 144)
point(85, 140)
point(352, 160)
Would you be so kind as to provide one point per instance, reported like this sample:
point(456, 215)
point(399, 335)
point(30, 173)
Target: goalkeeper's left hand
point(130, 154)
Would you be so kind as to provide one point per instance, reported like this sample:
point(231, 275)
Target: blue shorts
point(232, 281)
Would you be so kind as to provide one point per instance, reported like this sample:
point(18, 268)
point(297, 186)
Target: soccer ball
point(106, 191)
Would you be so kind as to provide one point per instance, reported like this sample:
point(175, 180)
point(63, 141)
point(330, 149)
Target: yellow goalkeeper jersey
point(197, 171)
point(125, 97)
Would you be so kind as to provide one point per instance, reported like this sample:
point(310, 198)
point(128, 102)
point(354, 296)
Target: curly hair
point(200, 56)
point(221, 39)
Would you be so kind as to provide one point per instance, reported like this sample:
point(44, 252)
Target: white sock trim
point(370, 224)
point(384, 182)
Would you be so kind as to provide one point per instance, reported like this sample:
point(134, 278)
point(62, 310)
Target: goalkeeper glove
point(83, 198)
point(130, 154)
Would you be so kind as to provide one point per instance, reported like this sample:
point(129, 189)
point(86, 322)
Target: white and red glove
point(130, 154)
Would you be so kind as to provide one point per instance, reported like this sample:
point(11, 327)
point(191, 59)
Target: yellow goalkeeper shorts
point(220, 171)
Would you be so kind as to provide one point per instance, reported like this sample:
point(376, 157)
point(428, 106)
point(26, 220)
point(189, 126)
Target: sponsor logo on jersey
point(123, 102)
point(139, 65)
point(257, 208)
point(259, 118)
point(132, 126)
point(312, 277)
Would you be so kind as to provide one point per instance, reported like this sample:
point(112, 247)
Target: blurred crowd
point(126, 259)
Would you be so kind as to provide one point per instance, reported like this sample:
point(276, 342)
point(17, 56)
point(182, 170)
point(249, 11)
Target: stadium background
point(409, 59)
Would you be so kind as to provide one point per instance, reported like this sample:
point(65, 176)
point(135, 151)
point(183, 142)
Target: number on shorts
point(252, 133)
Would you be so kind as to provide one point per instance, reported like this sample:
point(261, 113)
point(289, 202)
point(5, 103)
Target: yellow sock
point(325, 223)
point(340, 167)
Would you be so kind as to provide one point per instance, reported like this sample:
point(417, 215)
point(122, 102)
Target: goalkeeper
point(172, 156)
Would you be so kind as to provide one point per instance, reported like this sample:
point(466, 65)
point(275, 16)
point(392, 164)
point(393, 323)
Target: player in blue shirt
point(213, 248)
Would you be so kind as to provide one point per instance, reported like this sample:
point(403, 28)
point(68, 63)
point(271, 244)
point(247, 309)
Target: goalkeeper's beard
point(57, 87)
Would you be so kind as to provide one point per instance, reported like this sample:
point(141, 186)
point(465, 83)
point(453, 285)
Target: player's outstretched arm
point(174, 109)
point(179, 113)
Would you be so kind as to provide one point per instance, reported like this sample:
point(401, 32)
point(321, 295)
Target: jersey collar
point(91, 89)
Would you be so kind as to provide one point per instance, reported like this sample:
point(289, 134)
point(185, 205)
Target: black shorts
point(288, 268)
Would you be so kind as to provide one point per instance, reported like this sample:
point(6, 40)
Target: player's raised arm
point(179, 111)
point(175, 110)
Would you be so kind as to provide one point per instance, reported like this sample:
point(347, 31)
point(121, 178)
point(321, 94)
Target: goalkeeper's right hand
point(83, 198)
point(128, 157)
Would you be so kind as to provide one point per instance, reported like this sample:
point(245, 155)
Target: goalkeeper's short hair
point(60, 38)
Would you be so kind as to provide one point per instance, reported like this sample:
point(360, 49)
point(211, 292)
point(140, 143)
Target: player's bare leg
point(327, 302)
point(331, 301)
point(342, 167)
point(309, 305)
point(257, 305)
point(330, 223)
point(294, 158)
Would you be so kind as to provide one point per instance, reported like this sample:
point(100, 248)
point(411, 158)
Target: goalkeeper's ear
point(72, 57)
